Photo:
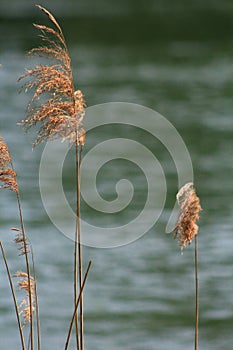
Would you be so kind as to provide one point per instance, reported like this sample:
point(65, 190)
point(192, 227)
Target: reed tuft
point(20, 240)
point(7, 173)
point(186, 227)
point(55, 105)
point(29, 288)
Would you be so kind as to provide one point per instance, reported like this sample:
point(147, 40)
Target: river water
point(175, 61)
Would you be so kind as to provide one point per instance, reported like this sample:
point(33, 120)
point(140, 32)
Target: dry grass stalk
point(14, 297)
point(60, 113)
point(186, 230)
point(186, 227)
point(8, 178)
point(25, 247)
point(24, 284)
point(76, 305)
point(7, 173)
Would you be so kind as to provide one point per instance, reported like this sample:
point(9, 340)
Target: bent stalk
point(14, 297)
point(76, 306)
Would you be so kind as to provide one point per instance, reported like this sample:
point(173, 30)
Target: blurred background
point(176, 58)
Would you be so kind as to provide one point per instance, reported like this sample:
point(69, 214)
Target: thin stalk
point(196, 295)
point(76, 306)
point(14, 298)
point(36, 297)
point(29, 341)
point(28, 270)
point(27, 264)
point(78, 254)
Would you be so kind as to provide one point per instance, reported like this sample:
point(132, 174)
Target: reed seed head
point(7, 173)
point(21, 241)
point(55, 105)
point(23, 284)
point(186, 227)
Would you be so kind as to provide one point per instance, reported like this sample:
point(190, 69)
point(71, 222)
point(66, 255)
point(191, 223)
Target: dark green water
point(178, 61)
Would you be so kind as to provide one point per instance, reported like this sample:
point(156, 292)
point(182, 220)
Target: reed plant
point(27, 282)
point(58, 109)
point(186, 230)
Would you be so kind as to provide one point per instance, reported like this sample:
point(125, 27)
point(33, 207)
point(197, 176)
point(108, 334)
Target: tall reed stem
point(36, 297)
point(14, 297)
point(196, 295)
point(78, 254)
point(28, 270)
point(186, 230)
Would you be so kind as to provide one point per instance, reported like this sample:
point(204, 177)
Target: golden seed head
point(25, 285)
point(7, 173)
point(186, 227)
point(21, 241)
point(55, 106)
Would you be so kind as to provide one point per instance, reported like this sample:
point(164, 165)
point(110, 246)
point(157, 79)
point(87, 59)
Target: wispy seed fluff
point(23, 284)
point(21, 241)
point(186, 227)
point(7, 173)
point(55, 105)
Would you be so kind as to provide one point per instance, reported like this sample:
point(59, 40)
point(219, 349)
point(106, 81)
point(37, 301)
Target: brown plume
point(25, 285)
point(186, 227)
point(7, 173)
point(55, 105)
point(21, 241)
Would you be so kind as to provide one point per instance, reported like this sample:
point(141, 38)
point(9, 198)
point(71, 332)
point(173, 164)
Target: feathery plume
point(23, 284)
point(186, 227)
point(20, 241)
point(7, 173)
point(61, 114)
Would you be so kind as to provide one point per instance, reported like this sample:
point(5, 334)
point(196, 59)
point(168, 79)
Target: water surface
point(140, 296)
